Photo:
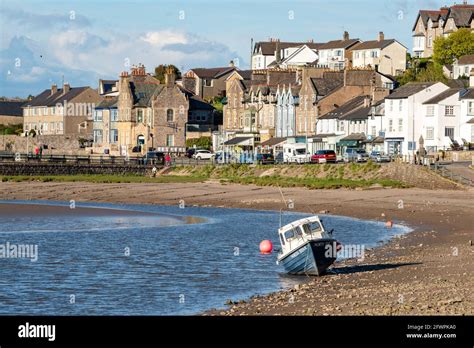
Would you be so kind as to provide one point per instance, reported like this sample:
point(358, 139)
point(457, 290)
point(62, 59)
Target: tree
point(160, 72)
point(456, 45)
point(201, 143)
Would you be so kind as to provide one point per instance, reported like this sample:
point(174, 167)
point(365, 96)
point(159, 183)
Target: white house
point(466, 131)
point(463, 66)
point(299, 56)
point(333, 54)
point(405, 114)
point(442, 120)
point(386, 56)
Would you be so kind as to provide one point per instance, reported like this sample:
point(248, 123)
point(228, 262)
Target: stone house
point(389, 56)
point(207, 82)
point(64, 111)
point(148, 115)
point(431, 24)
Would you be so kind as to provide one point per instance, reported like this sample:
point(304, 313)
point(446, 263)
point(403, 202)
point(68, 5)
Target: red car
point(324, 156)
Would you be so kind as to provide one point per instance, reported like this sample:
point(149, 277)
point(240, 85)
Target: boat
point(306, 247)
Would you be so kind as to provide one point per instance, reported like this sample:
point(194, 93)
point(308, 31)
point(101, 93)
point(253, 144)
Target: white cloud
point(164, 37)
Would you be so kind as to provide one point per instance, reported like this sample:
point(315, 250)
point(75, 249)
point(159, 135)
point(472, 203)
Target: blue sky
point(42, 41)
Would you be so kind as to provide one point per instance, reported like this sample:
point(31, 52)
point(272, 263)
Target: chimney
point(345, 37)
point(277, 52)
point(138, 70)
point(381, 36)
point(169, 77)
point(366, 101)
point(66, 88)
point(54, 89)
point(231, 64)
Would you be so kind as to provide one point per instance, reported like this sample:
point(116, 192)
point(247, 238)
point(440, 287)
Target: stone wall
point(32, 169)
point(57, 144)
point(7, 120)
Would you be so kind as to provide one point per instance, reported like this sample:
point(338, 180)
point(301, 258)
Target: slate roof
point(435, 15)
point(143, 92)
point(46, 99)
point(467, 94)
point(197, 103)
point(409, 89)
point(467, 59)
point(346, 109)
point(237, 140)
point(273, 141)
point(461, 14)
point(442, 96)
point(339, 44)
point(367, 45)
point(108, 103)
point(328, 83)
point(11, 108)
point(212, 73)
point(355, 136)
point(268, 48)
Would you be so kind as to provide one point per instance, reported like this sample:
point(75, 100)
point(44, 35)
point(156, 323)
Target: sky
point(79, 42)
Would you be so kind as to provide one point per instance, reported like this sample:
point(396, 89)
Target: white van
point(296, 153)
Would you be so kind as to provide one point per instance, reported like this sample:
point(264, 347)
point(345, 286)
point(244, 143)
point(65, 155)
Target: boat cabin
point(299, 232)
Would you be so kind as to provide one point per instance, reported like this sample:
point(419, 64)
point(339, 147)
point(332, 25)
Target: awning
point(273, 141)
point(348, 143)
point(239, 141)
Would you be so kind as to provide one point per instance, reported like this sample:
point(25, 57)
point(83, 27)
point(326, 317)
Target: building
point(142, 114)
point(442, 120)
point(207, 82)
point(389, 56)
point(337, 54)
point(64, 111)
point(405, 115)
point(274, 52)
point(463, 66)
point(11, 112)
point(466, 128)
point(431, 24)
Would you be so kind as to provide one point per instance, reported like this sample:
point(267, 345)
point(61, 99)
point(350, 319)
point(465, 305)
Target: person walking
point(167, 160)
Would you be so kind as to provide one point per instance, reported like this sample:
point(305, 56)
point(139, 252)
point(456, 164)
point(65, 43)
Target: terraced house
point(431, 24)
point(139, 114)
point(63, 111)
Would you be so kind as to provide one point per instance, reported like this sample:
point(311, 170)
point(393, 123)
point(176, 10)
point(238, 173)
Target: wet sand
point(428, 271)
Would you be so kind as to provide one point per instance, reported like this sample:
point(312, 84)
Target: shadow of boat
point(368, 268)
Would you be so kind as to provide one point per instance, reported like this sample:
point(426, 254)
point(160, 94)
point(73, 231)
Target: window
point(98, 136)
point(53, 110)
point(390, 125)
point(430, 110)
point(430, 41)
point(449, 132)
point(470, 108)
point(113, 115)
point(412, 145)
point(391, 105)
point(139, 115)
point(97, 115)
point(170, 140)
point(429, 133)
point(207, 83)
point(374, 54)
point(400, 124)
point(113, 136)
point(400, 105)
point(338, 53)
point(51, 126)
point(449, 110)
point(170, 115)
point(374, 131)
point(356, 55)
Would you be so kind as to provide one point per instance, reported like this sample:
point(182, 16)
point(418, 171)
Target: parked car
point(265, 158)
point(153, 157)
point(203, 155)
point(379, 156)
point(279, 158)
point(296, 153)
point(355, 155)
point(324, 156)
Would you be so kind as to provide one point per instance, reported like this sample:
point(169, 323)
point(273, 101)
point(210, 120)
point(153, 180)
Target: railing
point(73, 159)
point(448, 174)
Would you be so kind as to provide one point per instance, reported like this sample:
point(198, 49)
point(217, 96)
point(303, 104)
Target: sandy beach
point(427, 272)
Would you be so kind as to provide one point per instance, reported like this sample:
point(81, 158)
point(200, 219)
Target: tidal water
point(171, 262)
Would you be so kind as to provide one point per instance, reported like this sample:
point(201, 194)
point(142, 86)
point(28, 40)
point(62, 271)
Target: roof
point(461, 14)
point(442, 96)
point(273, 141)
point(367, 45)
point(143, 92)
point(300, 222)
point(355, 137)
point(409, 89)
point(197, 103)
point(108, 103)
point(376, 140)
point(237, 140)
point(11, 108)
point(467, 59)
point(434, 15)
point(269, 47)
point(328, 83)
point(212, 73)
point(471, 121)
point(246, 74)
point(467, 94)
point(358, 114)
point(339, 44)
point(345, 109)
point(46, 99)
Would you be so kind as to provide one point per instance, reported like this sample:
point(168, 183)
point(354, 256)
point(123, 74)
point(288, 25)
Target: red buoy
point(266, 246)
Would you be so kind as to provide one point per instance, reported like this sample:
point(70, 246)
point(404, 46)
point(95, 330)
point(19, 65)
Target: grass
point(102, 178)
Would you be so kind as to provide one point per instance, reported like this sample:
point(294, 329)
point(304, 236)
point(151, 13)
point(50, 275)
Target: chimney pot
point(169, 77)
point(346, 36)
point(54, 89)
point(66, 88)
